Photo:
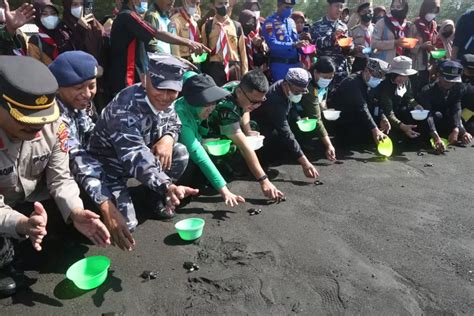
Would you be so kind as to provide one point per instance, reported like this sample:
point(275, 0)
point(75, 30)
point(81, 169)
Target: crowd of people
point(89, 107)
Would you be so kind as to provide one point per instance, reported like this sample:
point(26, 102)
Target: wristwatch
point(264, 177)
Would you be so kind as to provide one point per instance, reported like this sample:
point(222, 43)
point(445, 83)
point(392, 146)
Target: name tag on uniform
point(6, 171)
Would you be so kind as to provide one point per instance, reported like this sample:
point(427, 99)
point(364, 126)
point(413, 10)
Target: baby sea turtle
point(338, 162)
point(149, 275)
point(318, 182)
point(428, 164)
point(190, 266)
point(254, 211)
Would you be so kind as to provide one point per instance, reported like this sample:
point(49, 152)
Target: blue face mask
point(142, 7)
point(374, 82)
point(286, 13)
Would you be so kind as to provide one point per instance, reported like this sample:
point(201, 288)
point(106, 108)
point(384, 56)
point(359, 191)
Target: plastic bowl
point(331, 115)
point(409, 42)
point(419, 115)
point(367, 50)
point(385, 147)
point(218, 147)
point(438, 54)
point(89, 273)
point(256, 142)
point(308, 49)
point(190, 228)
point(307, 125)
point(199, 59)
point(345, 42)
point(444, 140)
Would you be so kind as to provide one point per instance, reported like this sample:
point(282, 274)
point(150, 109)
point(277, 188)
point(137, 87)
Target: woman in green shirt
point(200, 95)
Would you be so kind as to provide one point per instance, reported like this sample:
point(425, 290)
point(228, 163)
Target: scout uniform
point(37, 169)
point(128, 127)
point(161, 22)
point(70, 69)
point(324, 33)
point(281, 35)
point(186, 27)
point(228, 58)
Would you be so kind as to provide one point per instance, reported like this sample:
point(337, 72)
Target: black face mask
point(367, 17)
point(222, 11)
point(399, 14)
point(248, 28)
point(447, 34)
point(375, 19)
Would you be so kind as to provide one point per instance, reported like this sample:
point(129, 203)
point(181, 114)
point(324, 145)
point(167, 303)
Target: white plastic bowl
point(256, 142)
point(419, 115)
point(331, 115)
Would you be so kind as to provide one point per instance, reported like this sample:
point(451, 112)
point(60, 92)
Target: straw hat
point(402, 65)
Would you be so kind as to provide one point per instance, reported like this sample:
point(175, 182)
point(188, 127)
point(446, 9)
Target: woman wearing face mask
point(351, 98)
point(254, 6)
point(53, 37)
point(255, 46)
point(389, 32)
point(424, 29)
point(87, 32)
point(186, 25)
point(444, 38)
point(393, 99)
point(322, 73)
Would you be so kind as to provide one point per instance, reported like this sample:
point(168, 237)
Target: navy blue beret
point(73, 68)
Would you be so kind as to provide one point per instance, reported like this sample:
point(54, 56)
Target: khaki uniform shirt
point(183, 30)
point(33, 171)
point(358, 35)
point(236, 45)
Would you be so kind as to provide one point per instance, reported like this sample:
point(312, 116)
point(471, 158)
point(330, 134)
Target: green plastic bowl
point(444, 140)
point(385, 147)
point(89, 273)
point(437, 54)
point(307, 125)
point(218, 147)
point(190, 228)
point(199, 59)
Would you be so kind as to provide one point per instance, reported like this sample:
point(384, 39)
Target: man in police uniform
point(34, 162)
point(279, 31)
point(136, 137)
point(326, 33)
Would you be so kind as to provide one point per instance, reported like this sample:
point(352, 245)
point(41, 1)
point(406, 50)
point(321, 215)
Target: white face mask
point(295, 98)
point(257, 14)
point(76, 12)
point(191, 10)
point(323, 83)
point(50, 22)
point(430, 17)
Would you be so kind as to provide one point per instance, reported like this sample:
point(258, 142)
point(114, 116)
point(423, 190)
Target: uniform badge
point(42, 100)
point(63, 137)
point(282, 37)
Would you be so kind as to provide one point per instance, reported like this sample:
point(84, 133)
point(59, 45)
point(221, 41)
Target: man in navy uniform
point(279, 31)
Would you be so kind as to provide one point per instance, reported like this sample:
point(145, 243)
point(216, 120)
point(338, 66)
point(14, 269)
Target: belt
point(284, 60)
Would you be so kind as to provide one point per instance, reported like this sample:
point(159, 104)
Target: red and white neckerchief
point(48, 40)
point(306, 61)
point(222, 44)
point(368, 35)
point(399, 29)
point(251, 50)
point(193, 34)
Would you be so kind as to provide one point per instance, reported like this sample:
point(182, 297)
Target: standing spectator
point(87, 32)
point(445, 36)
point(379, 13)
point(279, 31)
point(326, 32)
point(345, 15)
point(464, 37)
point(185, 23)
point(225, 37)
point(424, 29)
point(254, 6)
point(12, 40)
point(362, 35)
point(53, 38)
point(158, 16)
point(127, 54)
point(389, 32)
point(303, 32)
point(255, 45)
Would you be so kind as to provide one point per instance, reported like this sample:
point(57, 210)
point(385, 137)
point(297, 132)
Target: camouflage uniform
point(121, 140)
point(324, 33)
point(87, 170)
point(225, 119)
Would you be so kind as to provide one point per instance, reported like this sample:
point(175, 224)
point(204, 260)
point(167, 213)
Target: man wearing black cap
point(467, 102)
point(279, 31)
point(76, 73)
point(200, 95)
point(34, 161)
point(443, 99)
point(272, 118)
point(136, 137)
point(326, 32)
